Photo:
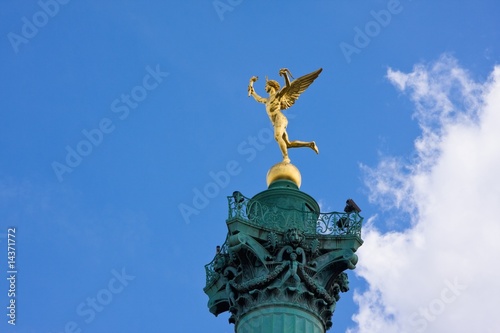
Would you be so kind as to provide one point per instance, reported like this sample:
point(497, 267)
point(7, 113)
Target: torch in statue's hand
point(250, 85)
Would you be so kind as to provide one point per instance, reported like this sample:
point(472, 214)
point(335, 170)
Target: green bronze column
point(280, 318)
point(281, 268)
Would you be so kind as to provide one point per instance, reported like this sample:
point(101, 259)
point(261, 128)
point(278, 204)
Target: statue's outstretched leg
point(299, 144)
point(284, 144)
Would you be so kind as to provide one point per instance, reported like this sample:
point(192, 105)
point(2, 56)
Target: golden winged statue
point(282, 99)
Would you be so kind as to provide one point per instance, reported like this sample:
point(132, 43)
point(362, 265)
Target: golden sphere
point(286, 171)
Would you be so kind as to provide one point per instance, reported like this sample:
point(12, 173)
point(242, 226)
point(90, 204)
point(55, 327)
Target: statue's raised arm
point(291, 91)
point(282, 99)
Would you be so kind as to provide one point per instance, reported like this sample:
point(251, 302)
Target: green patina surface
point(281, 268)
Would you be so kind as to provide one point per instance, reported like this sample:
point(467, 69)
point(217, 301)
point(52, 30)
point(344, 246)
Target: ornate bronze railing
point(212, 269)
point(273, 217)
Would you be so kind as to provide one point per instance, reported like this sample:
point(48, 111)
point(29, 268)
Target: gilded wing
point(289, 94)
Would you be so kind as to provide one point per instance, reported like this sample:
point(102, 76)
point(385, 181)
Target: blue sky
point(152, 97)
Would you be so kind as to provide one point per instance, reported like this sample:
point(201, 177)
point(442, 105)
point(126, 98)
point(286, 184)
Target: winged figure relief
point(281, 99)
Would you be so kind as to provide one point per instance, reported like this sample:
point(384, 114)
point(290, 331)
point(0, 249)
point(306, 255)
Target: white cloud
point(440, 274)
